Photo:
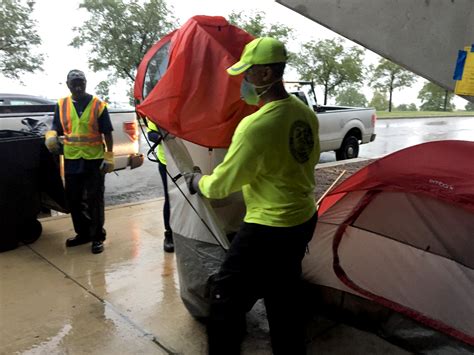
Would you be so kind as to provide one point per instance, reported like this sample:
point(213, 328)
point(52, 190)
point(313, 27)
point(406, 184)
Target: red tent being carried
point(183, 87)
point(400, 233)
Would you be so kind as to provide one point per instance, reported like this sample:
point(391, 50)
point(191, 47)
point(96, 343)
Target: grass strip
point(422, 114)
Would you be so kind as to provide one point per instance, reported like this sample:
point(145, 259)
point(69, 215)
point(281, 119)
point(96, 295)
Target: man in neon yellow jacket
point(155, 137)
point(84, 121)
point(271, 159)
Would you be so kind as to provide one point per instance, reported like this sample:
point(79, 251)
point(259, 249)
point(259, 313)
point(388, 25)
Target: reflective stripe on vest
point(82, 136)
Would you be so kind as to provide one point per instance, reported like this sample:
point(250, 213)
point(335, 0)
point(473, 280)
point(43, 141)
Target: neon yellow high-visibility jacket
point(82, 136)
point(271, 159)
point(160, 152)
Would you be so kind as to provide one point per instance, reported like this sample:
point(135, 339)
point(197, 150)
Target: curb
point(341, 162)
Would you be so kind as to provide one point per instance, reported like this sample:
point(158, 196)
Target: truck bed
point(125, 134)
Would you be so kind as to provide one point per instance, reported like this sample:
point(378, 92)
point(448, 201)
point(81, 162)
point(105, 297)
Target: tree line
point(120, 32)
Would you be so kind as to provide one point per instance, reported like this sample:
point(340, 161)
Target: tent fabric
point(201, 227)
point(196, 261)
point(442, 169)
point(432, 235)
point(399, 233)
point(200, 216)
point(142, 68)
point(195, 99)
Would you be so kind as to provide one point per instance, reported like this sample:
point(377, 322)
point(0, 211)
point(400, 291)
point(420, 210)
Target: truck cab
point(341, 129)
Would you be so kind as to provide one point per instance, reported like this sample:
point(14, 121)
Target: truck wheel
point(31, 231)
point(349, 149)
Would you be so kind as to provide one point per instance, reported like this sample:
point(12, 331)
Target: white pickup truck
point(25, 111)
point(341, 129)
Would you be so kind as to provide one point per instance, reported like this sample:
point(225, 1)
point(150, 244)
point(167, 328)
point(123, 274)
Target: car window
point(300, 95)
point(23, 102)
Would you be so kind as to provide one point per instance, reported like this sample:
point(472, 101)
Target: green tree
point(406, 107)
point(18, 36)
point(351, 96)
point(435, 98)
point(469, 106)
point(402, 107)
point(254, 22)
point(330, 64)
point(102, 90)
point(379, 101)
point(120, 32)
point(388, 76)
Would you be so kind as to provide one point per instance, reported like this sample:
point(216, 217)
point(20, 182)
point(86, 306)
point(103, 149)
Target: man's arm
point(56, 126)
point(105, 127)
point(109, 142)
point(51, 136)
point(239, 168)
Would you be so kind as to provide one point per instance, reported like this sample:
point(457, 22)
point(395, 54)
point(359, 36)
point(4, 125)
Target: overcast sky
point(56, 18)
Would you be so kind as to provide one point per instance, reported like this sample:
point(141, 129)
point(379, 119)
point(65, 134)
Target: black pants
point(166, 207)
point(85, 198)
point(262, 262)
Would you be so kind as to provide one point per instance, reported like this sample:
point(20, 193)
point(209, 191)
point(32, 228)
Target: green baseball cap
point(263, 50)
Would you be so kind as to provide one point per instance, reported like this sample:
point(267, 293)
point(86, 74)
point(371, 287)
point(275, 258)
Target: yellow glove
point(108, 165)
point(52, 143)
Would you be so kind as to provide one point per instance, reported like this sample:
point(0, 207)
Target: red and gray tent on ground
point(398, 234)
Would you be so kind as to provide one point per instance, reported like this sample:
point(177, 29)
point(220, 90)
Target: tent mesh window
point(156, 68)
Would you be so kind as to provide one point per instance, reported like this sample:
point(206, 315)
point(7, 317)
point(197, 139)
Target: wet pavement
point(396, 134)
point(58, 300)
point(392, 134)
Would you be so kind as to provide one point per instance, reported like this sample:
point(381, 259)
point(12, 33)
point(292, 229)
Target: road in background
point(144, 183)
point(396, 134)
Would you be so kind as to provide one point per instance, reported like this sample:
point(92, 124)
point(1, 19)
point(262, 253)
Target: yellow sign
point(465, 86)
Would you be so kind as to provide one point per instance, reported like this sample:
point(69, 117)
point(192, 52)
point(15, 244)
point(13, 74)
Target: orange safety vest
point(82, 136)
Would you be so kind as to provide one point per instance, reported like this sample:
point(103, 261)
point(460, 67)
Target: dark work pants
point(262, 262)
point(85, 197)
point(166, 207)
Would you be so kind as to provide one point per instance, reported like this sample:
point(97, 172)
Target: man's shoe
point(77, 240)
point(168, 244)
point(97, 247)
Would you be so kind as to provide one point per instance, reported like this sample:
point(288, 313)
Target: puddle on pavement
point(51, 345)
point(436, 123)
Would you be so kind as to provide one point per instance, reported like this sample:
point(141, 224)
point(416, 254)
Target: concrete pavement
point(58, 300)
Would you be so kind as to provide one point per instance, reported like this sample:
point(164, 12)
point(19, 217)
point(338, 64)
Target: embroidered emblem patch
point(301, 141)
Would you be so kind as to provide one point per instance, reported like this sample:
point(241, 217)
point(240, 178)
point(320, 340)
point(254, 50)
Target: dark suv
point(15, 103)
point(18, 99)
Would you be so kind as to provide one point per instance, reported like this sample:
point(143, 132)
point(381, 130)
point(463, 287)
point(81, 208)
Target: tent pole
point(329, 188)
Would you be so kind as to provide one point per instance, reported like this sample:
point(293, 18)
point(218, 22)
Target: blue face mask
point(248, 91)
